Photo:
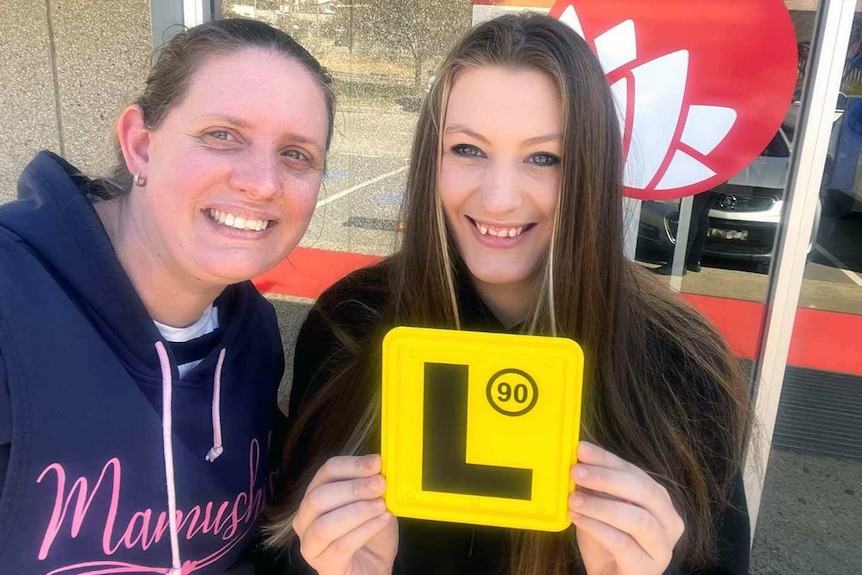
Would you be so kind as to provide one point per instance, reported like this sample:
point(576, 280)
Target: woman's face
point(500, 171)
point(234, 169)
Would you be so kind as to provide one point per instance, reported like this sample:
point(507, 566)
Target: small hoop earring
point(139, 180)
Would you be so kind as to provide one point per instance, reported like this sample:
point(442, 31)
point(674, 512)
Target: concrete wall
point(67, 67)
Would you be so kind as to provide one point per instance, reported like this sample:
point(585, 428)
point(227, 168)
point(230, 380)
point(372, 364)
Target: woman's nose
point(500, 191)
point(258, 176)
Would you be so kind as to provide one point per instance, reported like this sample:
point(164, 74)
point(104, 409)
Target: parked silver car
point(744, 213)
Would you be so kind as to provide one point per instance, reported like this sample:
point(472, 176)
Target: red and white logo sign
point(702, 85)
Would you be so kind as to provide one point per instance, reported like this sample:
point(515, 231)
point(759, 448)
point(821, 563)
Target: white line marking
point(854, 277)
point(358, 187)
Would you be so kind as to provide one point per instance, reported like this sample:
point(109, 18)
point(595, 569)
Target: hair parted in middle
point(590, 188)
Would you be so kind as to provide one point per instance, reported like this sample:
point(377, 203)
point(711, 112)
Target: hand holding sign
point(342, 522)
point(480, 428)
point(626, 522)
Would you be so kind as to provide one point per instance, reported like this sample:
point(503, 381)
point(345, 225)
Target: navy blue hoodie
point(108, 444)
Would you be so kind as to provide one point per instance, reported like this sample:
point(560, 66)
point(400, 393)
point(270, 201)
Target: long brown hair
point(662, 390)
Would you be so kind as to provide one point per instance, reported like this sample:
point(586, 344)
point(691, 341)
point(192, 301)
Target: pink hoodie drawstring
point(217, 448)
point(168, 444)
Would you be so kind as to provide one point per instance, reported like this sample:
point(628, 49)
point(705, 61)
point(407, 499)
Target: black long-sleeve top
point(428, 547)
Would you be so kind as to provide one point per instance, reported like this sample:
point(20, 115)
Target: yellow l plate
point(480, 428)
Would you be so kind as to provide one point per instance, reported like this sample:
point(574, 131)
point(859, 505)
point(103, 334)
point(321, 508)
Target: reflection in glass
point(382, 58)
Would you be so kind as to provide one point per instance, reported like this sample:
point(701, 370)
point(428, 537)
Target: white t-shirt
point(207, 323)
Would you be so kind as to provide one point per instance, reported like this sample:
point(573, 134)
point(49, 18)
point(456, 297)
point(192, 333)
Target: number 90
point(512, 392)
point(505, 392)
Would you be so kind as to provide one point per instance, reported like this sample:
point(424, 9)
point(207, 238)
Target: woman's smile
point(238, 220)
point(498, 235)
point(500, 172)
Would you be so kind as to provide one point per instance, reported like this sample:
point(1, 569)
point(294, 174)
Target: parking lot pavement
point(833, 274)
point(358, 210)
point(809, 517)
point(366, 171)
point(832, 291)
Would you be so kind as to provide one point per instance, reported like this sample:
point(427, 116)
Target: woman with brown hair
point(513, 224)
point(139, 366)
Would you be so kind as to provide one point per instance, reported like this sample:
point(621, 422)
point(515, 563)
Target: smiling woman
point(500, 180)
point(257, 156)
point(138, 365)
point(513, 224)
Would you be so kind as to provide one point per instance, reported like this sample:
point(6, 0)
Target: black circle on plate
point(489, 391)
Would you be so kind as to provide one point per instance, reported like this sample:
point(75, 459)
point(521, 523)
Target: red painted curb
point(823, 340)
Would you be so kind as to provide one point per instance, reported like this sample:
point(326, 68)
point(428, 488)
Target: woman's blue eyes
point(468, 151)
point(545, 159)
point(222, 135)
point(295, 154)
point(226, 137)
point(538, 159)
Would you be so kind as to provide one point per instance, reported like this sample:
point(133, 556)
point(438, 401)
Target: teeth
point(238, 222)
point(500, 232)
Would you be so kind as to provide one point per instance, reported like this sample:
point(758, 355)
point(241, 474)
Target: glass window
point(383, 60)
point(809, 517)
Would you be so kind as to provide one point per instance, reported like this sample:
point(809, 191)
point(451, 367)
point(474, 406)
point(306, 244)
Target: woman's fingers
point(346, 467)
point(624, 509)
point(637, 488)
point(627, 554)
point(342, 514)
point(592, 454)
point(338, 530)
point(344, 548)
point(636, 522)
point(341, 481)
point(329, 496)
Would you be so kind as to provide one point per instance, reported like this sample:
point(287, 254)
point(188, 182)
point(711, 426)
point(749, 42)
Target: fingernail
point(577, 500)
point(376, 483)
point(379, 505)
point(580, 471)
point(370, 461)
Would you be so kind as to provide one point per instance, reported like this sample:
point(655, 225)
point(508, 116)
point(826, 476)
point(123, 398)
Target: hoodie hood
point(56, 218)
